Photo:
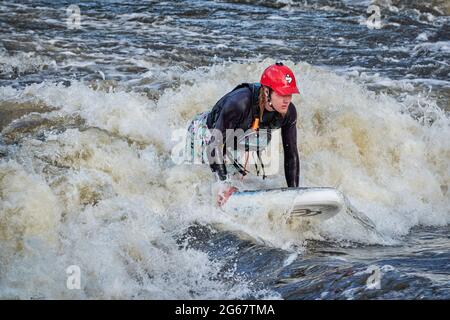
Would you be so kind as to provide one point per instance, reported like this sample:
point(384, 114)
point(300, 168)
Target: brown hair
point(262, 99)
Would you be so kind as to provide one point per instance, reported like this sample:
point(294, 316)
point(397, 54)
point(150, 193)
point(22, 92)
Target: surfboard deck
point(313, 203)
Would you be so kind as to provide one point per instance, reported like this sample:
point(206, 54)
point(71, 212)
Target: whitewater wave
point(91, 182)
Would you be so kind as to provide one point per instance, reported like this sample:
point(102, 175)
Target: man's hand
point(224, 193)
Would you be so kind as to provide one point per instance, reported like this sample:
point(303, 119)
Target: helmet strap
point(269, 97)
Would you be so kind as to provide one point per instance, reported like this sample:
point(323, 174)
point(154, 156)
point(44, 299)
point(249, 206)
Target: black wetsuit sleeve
point(230, 116)
point(289, 139)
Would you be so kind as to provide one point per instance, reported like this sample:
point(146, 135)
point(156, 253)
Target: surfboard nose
point(323, 204)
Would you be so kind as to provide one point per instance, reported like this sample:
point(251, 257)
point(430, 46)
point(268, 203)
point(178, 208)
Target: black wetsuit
point(237, 110)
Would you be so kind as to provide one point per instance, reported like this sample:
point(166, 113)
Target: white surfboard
point(318, 204)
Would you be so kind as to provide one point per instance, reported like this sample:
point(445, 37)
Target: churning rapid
point(87, 177)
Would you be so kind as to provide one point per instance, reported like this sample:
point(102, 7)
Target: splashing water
point(87, 178)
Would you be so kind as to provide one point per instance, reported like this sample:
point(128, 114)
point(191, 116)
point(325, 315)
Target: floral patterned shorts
point(197, 139)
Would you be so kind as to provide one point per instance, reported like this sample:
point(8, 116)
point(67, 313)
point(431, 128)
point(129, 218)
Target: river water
point(87, 177)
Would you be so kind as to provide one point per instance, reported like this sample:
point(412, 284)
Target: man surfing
point(250, 108)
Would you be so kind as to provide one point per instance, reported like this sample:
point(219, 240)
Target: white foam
point(422, 36)
point(21, 63)
point(121, 199)
point(439, 46)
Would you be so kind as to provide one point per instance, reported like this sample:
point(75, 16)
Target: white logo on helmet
point(288, 78)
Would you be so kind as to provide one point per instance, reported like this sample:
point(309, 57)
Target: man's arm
point(291, 159)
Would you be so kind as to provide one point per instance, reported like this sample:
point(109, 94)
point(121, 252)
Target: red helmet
point(279, 78)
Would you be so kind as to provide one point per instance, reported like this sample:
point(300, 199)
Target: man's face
point(280, 102)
